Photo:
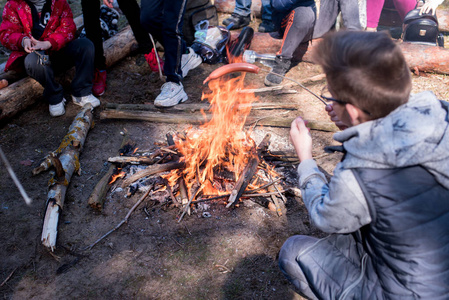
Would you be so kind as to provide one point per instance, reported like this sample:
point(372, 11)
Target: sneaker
point(190, 61)
point(238, 20)
point(81, 101)
point(57, 110)
point(281, 67)
point(152, 61)
point(266, 26)
point(171, 94)
point(99, 82)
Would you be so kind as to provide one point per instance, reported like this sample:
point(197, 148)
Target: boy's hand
point(108, 3)
point(334, 118)
point(27, 45)
point(301, 139)
point(39, 45)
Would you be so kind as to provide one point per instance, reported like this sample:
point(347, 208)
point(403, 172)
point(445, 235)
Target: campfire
point(215, 161)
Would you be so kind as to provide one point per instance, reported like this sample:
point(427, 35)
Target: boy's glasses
point(327, 96)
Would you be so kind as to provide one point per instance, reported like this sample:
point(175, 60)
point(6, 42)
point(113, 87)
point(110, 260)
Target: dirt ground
point(230, 255)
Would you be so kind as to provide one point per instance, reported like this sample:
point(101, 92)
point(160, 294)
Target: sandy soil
point(230, 255)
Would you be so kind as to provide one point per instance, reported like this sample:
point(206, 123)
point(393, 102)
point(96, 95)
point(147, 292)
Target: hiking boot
point(171, 94)
point(153, 61)
point(238, 20)
point(266, 26)
point(81, 101)
point(190, 61)
point(281, 67)
point(57, 110)
point(99, 82)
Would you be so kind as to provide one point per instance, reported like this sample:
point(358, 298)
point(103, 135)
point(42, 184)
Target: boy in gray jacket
point(387, 205)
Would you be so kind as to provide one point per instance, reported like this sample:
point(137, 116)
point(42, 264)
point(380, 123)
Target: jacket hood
point(416, 133)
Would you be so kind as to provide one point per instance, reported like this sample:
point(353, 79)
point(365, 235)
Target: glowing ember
point(220, 145)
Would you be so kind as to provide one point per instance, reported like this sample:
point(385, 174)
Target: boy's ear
point(355, 113)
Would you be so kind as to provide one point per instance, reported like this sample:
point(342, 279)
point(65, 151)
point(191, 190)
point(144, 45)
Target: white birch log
point(66, 161)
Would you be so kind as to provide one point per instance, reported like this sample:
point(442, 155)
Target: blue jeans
point(243, 8)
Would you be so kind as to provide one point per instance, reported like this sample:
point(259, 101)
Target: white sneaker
point(190, 61)
point(81, 101)
point(171, 94)
point(57, 110)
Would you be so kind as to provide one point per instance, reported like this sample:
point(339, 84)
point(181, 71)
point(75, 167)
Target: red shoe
point(152, 61)
point(99, 83)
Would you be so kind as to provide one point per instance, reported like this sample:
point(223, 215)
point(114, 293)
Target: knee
point(31, 63)
point(85, 46)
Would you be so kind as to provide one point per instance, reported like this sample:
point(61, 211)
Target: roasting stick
point(14, 178)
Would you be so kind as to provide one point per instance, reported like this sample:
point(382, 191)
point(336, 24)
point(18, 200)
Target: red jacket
point(18, 23)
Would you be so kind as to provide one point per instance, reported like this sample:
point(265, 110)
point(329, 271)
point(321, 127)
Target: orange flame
point(220, 144)
point(114, 177)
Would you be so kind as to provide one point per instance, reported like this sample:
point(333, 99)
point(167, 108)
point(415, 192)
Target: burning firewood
point(66, 160)
point(248, 172)
point(96, 198)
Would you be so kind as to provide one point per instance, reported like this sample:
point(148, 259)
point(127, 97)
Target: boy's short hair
point(366, 69)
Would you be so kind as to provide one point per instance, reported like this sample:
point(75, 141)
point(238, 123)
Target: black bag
point(421, 29)
point(212, 47)
point(197, 11)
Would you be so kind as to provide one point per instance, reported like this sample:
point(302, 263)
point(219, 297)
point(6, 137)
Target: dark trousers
point(80, 53)
point(91, 15)
point(163, 19)
point(296, 28)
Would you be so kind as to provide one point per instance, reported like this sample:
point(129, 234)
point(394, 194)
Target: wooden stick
point(184, 118)
point(96, 198)
point(151, 170)
point(244, 180)
point(14, 178)
point(121, 223)
point(131, 159)
point(287, 85)
point(68, 154)
point(195, 107)
point(188, 204)
point(9, 277)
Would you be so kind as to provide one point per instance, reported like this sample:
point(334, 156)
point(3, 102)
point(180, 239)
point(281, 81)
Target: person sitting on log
point(298, 24)
point(163, 19)
point(131, 9)
point(41, 35)
point(295, 21)
point(374, 9)
point(386, 207)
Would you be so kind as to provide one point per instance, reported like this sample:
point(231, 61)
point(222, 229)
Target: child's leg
point(151, 18)
point(78, 53)
point(53, 91)
point(373, 10)
point(289, 265)
point(81, 52)
point(298, 28)
point(404, 6)
point(132, 12)
point(91, 15)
